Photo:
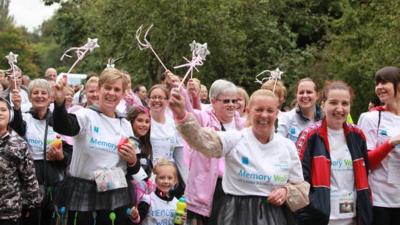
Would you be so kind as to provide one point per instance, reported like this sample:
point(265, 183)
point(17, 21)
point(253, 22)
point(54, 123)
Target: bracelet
point(183, 119)
point(131, 164)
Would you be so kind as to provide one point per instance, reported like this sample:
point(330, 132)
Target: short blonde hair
point(111, 75)
point(92, 79)
point(264, 93)
point(165, 163)
point(243, 93)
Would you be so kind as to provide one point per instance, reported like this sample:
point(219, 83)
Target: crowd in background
point(106, 153)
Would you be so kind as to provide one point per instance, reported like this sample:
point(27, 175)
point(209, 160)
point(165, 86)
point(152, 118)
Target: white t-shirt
point(290, 124)
point(164, 138)
point(121, 107)
point(96, 144)
point(230, 126)
point(343, 195)
point(253, 168)
point(160, 211)
point(35, 135)
point(384, 180)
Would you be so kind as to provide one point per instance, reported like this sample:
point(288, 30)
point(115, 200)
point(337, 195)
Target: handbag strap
point(45, 152)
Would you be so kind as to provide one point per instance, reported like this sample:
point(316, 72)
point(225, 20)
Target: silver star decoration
point(273, 75)
point(12, 58)
point(91, 44)
point(199, 49)
point(276, 74)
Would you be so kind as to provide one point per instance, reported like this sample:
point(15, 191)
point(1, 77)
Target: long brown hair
point(133, 113)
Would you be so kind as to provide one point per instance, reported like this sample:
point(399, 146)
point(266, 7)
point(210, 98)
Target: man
point(141, 92)
point(50, 74)
point(25, 80)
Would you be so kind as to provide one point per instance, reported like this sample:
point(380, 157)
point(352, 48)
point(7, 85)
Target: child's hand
point(134, 213)
point(184, 218)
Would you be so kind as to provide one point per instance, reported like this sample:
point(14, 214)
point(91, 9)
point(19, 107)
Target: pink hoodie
point(203, 171)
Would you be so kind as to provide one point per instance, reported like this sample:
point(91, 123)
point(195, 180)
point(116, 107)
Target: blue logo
point(96, 129)
point(382, 132)
point(245, 160)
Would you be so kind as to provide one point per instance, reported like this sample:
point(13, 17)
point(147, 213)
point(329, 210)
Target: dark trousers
point(386, 216)
point(9, 222)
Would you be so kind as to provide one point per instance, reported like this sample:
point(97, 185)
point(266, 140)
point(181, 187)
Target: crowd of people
point(106, 153)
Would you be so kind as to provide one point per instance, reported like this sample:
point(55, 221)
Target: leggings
point(99, 217)
point(386, 216)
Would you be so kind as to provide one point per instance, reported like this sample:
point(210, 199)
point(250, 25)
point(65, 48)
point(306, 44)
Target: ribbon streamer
point(80, 52)
point(12, 60)
point(111, 62)
point(145, 44)
point(273, 75)
point(199, 53)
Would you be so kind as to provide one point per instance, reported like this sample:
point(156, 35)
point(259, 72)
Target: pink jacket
point(203, 171)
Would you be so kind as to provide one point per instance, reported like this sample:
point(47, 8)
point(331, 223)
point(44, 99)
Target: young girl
point(159, 207)
point(336, 162)
point(139, 117)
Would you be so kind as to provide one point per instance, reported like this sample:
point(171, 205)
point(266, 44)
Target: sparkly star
point(199, 49)
point(91, 44)
point(276, 74)
point(12, 58)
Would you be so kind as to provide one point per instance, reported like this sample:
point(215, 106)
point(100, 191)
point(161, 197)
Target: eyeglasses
point(157, 98)
point(227, 101)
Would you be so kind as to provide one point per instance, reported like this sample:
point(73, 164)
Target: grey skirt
point(253, 210)
point(76, 194)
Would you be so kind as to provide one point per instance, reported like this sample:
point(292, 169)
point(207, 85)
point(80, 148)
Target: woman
point(336, 163)
point(255, 190)
point(36, 126)
point(203, 203)
point(307, 111)
point(163, 136)
point(96, 189)
point(243, 101)
point(381, 128)
point(20, 193)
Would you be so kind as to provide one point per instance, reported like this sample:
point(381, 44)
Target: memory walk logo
point(102, 145)
point(258, 178)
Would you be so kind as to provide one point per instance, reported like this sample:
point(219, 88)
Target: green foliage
point(244, 37)
point(321, 39)
point(6, 20)
point(361, 41)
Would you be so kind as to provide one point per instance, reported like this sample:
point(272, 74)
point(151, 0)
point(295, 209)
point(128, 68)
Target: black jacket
point(314, 150)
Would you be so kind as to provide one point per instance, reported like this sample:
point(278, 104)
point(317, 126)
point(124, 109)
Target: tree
point(16, 40)
point(359, 43)
point(5, 19)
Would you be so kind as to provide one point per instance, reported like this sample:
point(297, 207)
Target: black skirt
point(253, 210)
point(76, 194)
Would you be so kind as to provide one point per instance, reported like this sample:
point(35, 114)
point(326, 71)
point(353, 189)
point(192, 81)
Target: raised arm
point(204, 140)
point(64, 123)
point(17, 124)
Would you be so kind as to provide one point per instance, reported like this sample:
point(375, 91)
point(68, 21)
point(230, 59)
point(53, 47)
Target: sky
point(30, 13)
